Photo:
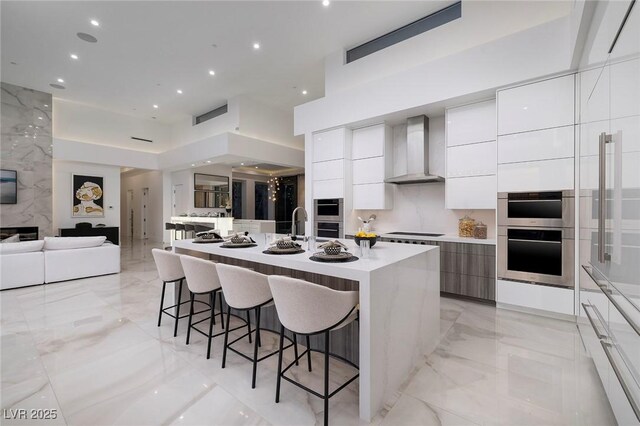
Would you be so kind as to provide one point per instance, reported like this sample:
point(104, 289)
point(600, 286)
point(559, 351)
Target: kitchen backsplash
point(420, 208)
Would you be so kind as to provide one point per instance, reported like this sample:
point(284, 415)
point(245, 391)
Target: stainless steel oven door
point(543, 209)
point(329, 229)
point(329, 210)
point(536, 255)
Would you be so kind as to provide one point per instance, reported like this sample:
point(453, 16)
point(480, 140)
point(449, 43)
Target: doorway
point(177, 200)
point(129, 211)
point(145, 203)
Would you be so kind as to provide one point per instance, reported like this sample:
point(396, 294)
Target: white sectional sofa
point(56, 259)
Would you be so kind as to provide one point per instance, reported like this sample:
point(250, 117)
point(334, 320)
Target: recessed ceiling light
point(193, 165)
point(304, 92)
point(256, 167)
point(87, 37)
point(326, 3)
point(179, 92)
point(45, 105)
point(73, 56)
point(256, 46)
point(208, 161)
point(39, 118)
point(95, 23)
point(242, 164)
point(155, 106)
point(212, 72)
point(60, 80)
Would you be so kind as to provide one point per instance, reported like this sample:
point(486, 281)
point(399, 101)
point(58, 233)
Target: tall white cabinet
point(332, 164)
point(471, 156)
point(372, 163)
point(536, 136)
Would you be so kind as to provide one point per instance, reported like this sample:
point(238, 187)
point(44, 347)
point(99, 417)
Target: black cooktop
point(421, 234)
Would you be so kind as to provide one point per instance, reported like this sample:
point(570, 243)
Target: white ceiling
point(147, 50)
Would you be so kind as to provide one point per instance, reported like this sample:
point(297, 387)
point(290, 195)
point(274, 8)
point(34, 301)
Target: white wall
point(63, 197)
point(68, 150)
point(184, 132)
point(267, 123)
point(136, 181)
point(84, 123)
point(481, 22)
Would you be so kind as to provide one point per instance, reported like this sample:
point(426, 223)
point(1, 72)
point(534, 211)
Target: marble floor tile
point(18, 401)
point(92, 350)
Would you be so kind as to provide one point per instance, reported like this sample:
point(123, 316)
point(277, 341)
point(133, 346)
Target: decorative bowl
point(333, 251)
point(237, 240)
point(372, 240)
point(285, 244)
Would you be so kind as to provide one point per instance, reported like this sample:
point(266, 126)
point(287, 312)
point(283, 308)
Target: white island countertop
point(381, 255)
point(399, 294)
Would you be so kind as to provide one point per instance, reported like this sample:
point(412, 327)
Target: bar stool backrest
point(243, 288)
point(306, 308)
point(168, 265)
point(201, 274)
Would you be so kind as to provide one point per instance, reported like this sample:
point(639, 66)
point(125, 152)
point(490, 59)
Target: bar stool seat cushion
point(308, 308)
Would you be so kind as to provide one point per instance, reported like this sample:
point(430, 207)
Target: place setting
point(208, 237)
point(239, 240)
point(333, 252)
point(284, 245)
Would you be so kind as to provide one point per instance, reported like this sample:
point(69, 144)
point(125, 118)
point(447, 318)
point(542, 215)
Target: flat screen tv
point(8, 186)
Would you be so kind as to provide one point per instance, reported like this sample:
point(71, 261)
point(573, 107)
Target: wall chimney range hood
point(417, 154)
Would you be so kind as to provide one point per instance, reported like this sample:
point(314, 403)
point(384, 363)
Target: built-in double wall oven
point(328, 218)
point(536, 237)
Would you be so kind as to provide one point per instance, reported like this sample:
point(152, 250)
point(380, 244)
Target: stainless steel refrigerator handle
point(599, 335)
point(603, 256)
point(625, 386)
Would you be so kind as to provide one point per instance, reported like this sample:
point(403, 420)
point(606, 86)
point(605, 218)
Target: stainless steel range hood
point(417, 154)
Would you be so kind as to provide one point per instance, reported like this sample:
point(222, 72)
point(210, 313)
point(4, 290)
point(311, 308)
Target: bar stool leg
point(249, 324)
point(221, 311)
point(258, 329)
point(164, 286)
point(175, 327)
point(255, 353)
point(226, 337)
point(279, 363)
point(190, 317)
point(326, 378)
point(295, 347)
point(212, 299)
point(308, 352)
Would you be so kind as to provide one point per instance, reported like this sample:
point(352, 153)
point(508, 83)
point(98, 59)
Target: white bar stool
point(170, 271)
point(245, 290)
point(202, 278)
point(308, 309)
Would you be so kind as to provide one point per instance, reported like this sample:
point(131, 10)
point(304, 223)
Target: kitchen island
point(399, 322)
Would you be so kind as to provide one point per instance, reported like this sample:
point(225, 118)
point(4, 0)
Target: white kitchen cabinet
point(369, 170)
point(329, 170)
point(473, 192)
point(547, 298)
point(372, 141)
point(471, 123)
point(544, 175)
point(535, 106)
point(594, 98)
point(625, 89)
point(544, 144)
point(472, 160)
point(331, 145)
point(333, 188)
point(374, 196)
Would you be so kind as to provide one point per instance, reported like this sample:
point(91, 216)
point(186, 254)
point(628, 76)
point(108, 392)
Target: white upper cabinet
point(331, 145)
point(327, 170)
point(537, 145)
point(535, 106)
point(373, 196)
point(476, 159)
point(372, 141)
point(369, 170)
point(471, 123)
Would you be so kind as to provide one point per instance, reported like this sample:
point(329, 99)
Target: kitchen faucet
point(293, 219)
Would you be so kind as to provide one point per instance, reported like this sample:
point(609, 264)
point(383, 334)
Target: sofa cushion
point(12, 239)
point(21, 247)
point(68, 243)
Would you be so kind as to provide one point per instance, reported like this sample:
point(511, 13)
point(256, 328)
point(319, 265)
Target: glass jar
point(480, 231)
point(465, 226)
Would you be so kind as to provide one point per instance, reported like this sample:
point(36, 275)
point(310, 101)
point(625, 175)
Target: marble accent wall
point(26, 146)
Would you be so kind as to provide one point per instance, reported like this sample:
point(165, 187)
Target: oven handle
point(604, 138)
point(607, 346)
point(557, 200)
point(534, 241)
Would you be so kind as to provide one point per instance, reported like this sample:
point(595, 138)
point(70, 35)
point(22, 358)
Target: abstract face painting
point(88, 196)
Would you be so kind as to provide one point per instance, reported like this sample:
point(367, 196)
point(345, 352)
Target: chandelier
point(274, 187)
